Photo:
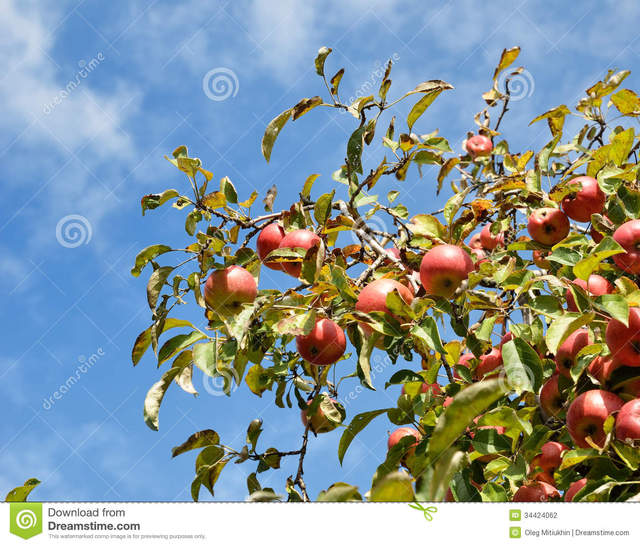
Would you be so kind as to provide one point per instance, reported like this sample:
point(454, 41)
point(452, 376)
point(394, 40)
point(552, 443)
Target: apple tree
point(512, 313)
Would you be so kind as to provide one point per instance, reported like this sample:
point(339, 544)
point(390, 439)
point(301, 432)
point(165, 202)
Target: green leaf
point(364, 354)
point(605, 248)
point(199, 439)
point(296, 325)
point(403, 376)
point(322, 210)
point(144, 339)
point(584, 357)
point(308, 184)
point(253, 433)
point(577, 456)
point(177, 344)
point(563, 327)
point(522, 366)
point(395, 487)
point(358, 423)
point(453, 204)
point(272, 131)
point(205, 356)
point(156, 282)
point(229, 190)
point(146, 255)
point(335, 81)
point(466, 405)
point(20, 494)
point(340, 492)
point(627, 102)
point(354, 150)
point(323, 53)
point(488, 441)
point(621, 145)
point(424, 103)
point(264, 496)
point(154, 200)
point(432, 486)
point(154, 398)
point(427, 331)
point(493, 492)
point(615, 305)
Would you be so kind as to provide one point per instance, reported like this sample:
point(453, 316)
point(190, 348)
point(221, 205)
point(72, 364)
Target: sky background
point(97, 151)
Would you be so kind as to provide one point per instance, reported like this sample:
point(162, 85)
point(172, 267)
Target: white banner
point(320, 524)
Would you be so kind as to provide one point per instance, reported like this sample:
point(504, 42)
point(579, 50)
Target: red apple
point(539, 259)
point(489, 240)
point(475, 242)
point(268, 240)
point(478, 145)
point(566, 354)
point(550, 399)
point(400, 433)
point(373, 297)
point(447, 401)
point(628, 237)
point(324, 345)
point(443, 269)
point(624, 341)
point(550, 457)
point(573, 489)
point(424, 387)
point(536, 492)
point(600, 368)
point(299, 238)
point(548, 226)
point(596, 286)
point(393, 251)
point(587, 414)
point(628, 421)
point(489, 362)
point(318, 421)
point(585, 201)
point(227, 290)
point(507, 337)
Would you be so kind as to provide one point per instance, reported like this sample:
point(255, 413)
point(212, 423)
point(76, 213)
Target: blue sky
point(96, 151)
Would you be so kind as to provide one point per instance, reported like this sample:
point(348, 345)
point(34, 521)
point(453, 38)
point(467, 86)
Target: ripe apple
point(536, 492)
point(566, 354)
point(268, 240)
point(318, 421)
point(550, 457)
point(573, 489)
point(489, 362)
point(539, 258)
point(628, 237)
point(507, 337)
point(624, 341)
point(424, 387)
point(443, 269)
point(586, 201)
point(597, 285)
point(548, 226)
point(324, 345)
point(628, 421)
point(478, 145)
point(587, 414)
point(475, 242)
point(299, 238)
point(489, 240)
point(447, 401)
point(601, 367)
point(400, 433)
point(373, 297)
point(226, 290)
point(550, 398)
